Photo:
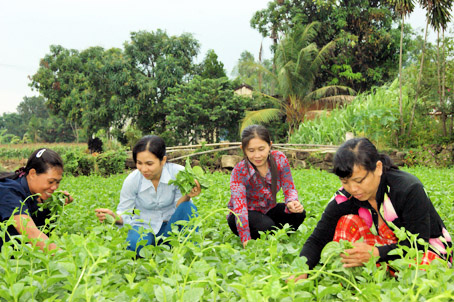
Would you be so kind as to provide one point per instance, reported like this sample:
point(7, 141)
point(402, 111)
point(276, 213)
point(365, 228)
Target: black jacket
point(413, 207)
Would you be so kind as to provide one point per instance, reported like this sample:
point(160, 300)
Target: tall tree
point(91, 88)
point(162, 62)
point(246, 72)
point(404, 8)
point(58, 80)
point(440, 16)
point(366, 43)
point(437, 12)
point(211, 68)
point(204, 109)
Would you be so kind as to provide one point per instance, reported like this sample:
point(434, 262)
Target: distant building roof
point(244, 90)
point(244, 85)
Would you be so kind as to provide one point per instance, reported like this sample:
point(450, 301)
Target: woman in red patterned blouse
point(254, 183)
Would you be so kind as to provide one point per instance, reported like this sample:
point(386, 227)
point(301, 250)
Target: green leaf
point(193, 294)
point(163, 293)
point(110, 219)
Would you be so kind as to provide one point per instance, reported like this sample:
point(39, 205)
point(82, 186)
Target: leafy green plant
point(211, 264)
point(374, 114)
point(111, 162)
point(56, 206)
point(185, 179)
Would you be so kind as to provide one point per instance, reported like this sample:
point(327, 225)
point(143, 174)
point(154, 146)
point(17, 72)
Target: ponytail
point(274, 172)
point(387, 162)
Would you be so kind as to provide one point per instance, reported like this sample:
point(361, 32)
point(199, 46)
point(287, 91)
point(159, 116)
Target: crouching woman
point(22, 191)
point(147, 189)
point(375, 193)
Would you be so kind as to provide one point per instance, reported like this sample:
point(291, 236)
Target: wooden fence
point(225, 146)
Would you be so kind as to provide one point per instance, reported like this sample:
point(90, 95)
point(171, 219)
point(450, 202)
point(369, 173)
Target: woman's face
point(149, 165)
point(45, 183)
point(363, 184)
point(257, 152)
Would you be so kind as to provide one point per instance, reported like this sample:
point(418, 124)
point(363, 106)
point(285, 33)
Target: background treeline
point(326, 55)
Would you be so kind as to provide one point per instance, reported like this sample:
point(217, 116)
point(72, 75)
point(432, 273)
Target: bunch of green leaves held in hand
point(55, 204)
point(185, 178)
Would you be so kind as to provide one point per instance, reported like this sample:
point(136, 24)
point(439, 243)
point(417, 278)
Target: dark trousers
point(274, 218)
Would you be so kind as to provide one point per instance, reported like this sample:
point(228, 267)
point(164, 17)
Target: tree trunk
point(260, 62)
point(443, 117)
point(443, 76)
point(402, 130)
point(418, 87)
point(75, 132)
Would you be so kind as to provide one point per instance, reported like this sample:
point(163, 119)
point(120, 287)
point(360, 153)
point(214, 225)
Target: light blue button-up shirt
point(155, 206)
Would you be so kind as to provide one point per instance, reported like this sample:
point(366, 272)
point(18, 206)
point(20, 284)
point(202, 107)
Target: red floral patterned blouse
point(249, 191)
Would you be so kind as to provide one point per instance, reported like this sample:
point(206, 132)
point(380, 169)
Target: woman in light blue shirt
point(147, 189)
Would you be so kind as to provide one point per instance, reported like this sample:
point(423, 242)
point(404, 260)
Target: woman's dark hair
point(361, 152)
point(259, 131)
point(152, 143)
point(41, 160)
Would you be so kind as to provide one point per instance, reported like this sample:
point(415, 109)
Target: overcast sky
point(29, 27)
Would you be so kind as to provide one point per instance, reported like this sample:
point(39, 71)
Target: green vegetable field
point(211, 265)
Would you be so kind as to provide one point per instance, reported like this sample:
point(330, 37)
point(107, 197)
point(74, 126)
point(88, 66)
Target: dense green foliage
point(89, 88)
point(211, 68)
point(204, 109)
point(159, 62)
point(77, 160)
point(298, 61)
point(211, 265)
point(374, 115)
point(245, 71)
point(33, 123)
point(142, 86)
point(367, 50)
point(23, 151)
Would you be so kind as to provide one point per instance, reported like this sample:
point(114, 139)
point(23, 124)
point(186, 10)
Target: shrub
point(429, 156)
point(374, 115)
point(111, 162)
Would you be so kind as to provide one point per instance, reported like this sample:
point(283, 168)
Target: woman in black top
point(374, 193)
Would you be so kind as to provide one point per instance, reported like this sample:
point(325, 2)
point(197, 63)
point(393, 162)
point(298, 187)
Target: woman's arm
point(323, 232)
point(415, 209)
point(238, 200)
point(287, 184)
point(25, 225)
point(128, 196)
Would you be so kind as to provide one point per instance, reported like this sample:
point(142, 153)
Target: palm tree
point(298, 62)
point(404, 8)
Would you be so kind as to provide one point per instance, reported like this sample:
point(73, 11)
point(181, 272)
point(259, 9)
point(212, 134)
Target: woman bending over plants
point(375, 193)
point(148, 200)
point(24, 191)
point(254, 184)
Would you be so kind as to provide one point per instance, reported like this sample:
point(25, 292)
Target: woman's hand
point(101, 214)
point(195, 191)
point(292, 277)
point(359, 254)
point(295, 206)
point(245, 243)
point(68, 198)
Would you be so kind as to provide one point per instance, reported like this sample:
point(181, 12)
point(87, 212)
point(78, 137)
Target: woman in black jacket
point(374, 193)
